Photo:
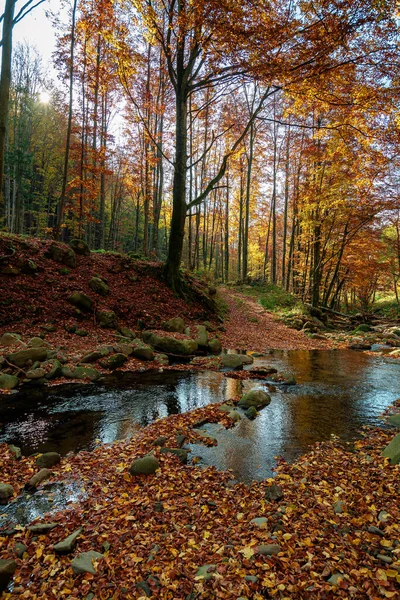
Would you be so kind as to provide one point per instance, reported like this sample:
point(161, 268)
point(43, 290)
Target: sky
point(36, 29)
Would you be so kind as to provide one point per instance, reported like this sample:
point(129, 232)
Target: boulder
point(20, 549)
point(268, 549)
point(42, 527)
point(127, 333)
point(94, 356)
point(215, 346)
point(15, 451)
point(251, 412)
point(27, 266)
point(144, 466)
point(55, 368)
point(115, 361)
point(171, 345)
point(392, 450)
point(143, 352)
point(48, 459)
point(80, 247)
point(62, 254)
point(210, 326)
point(99, 286)
point(6, 492)
point(20, 358)
point(259, 521)
point(81, 301)
point(201, 335)
point(256, 398)
point(84, 562)
point(232, 361)
point(9, 339)
point(36, 373)
point(176, 324)
point(40, 476)
point(123, 348)
point(274, 493)
point(234, 415)
point(69, 543)
point(80, 372)
point(107, 319)
point(161, 359)
point(37, 342)
point(179, 452)
point(7, 570)
point(394, 420)
point(8, 382)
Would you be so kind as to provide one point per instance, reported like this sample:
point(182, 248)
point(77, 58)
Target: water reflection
point(336, 393)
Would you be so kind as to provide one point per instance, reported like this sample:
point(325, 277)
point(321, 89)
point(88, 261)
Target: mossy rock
point(179, 452)
point(127, 333)
point(107, 319)
point(144, 466)
point(80, 247)
point(21, 358)
point(363, 328)
point(256, 398)
point(171, 345)
point(8, 382)
point(62, 254)
point(176, 324)
point(215, 346)
point(80, 372)
point(81, 301)
point(115, 361)
point(55, 368)
point(392, 450)
point(251, 412)
point(10, 339)
point(27, 266)
point(99, 286)
point(232, 361)
point(143, 352)
point(37, 342)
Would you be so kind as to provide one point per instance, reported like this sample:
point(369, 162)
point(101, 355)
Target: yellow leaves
point(206, 535)
point(239, 516)
point(386, 543)
point(391, 573)
point(39, 552)
point(247, 552)
point(287, 536)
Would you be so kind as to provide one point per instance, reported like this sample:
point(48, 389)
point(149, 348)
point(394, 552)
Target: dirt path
point(250, 327)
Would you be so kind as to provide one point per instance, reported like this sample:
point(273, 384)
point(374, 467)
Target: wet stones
point(40, 476)
point(255, 398)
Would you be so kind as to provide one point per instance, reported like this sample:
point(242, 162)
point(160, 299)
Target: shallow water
point(337, 392)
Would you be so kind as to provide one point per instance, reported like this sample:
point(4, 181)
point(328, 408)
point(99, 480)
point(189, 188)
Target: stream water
point(337, 392)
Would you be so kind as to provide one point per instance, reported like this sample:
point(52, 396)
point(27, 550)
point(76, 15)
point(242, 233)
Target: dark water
point(337, 392)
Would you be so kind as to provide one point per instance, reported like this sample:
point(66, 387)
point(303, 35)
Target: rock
point(55, 368)
point(383, 516)
point(160, 441)
point(376, 531)
point(335, 579)
point(123, 348)
point(234, 415)
point(80, 247)
point(36, 374)
point(9, 339)
point(363, 328)
point(259, 521)
point(143, 351)
point(99, 286)
point(180, 439)
point(161, 359)
point(263, 370)
point(69, 543)
point(8, 382)
point(394, 420)
point(176, 324)
point(384, 558)
point(144, 466)
point(81, 301)
point(48, 459)
point(62, 254)
point(247, 359)
point(126, 332)
point(339, 507)
point(15, 451)
point(92, 357)
point(27, 266)
point(158, 507)
point(9, 270)
point(20, 549)
point(40, 476)
point(115, 361)
point(215, 346)
point(392, 450)
point(6, 492)
point(107, 319)
point(20, 358)
point(201, 335)
point(226, 408)
point(179, 452)
point(274, 493)
point(42, 527)
point(105, 546)
point(144, 586)
point(359, 345)
point(49, 327)
point(251, 412)
point(210, 326)
point(232, 361)
point(81, 332)
point(205, 572)
point(37, 342)
point(268, 549)
point(80, 373)
point(251, 578)
point(256, 398)
point(206, 437)
point(7, 570)
point(84, 562)
point(170, 344)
